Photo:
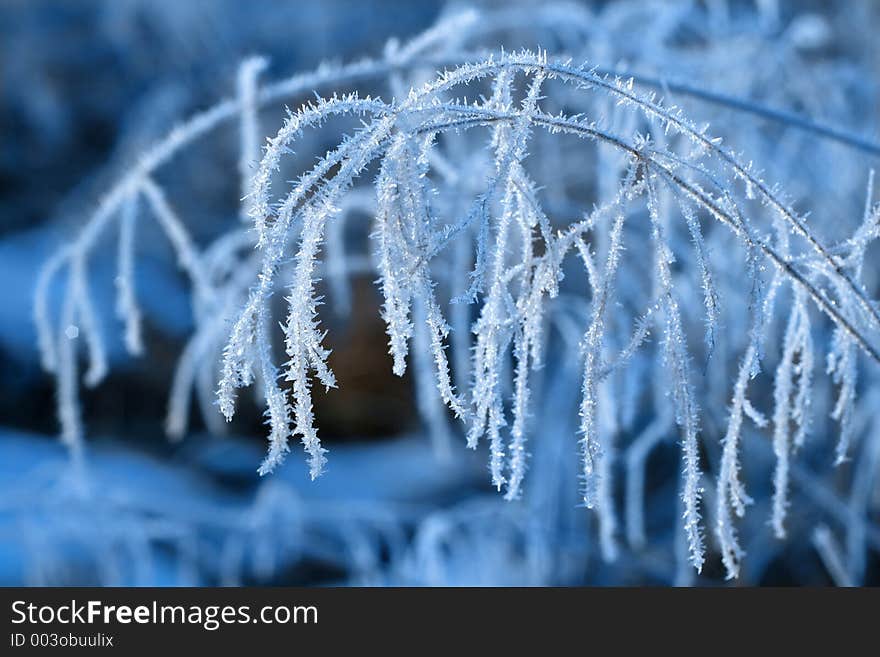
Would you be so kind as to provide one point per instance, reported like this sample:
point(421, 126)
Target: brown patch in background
point(370, 401)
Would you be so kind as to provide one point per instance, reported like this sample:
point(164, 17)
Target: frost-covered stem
point(263, 212)
point(829, 551)
point(197, 358)
point(249, 126)
point(842, 367)
point(795, 346)
point(710, 295)
point(517, 446)
point(188, 256)
point(590, 443)
point(492, 333)
point(527, 343)
point(85, 316)
point(127, 307)
point(416, 206)
point(676, 357)
point(491, 344)
point(438, 330)
point(429, 402)
point(302, 331)
point(278, 413)
point(303, 342)
point(69, 412)
point(389, 256)
point(460, 315)
point(177, 417)
point(730, 493)
point(236, 369)
point(636, 455)
point(842, 361)
point(46, 332)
